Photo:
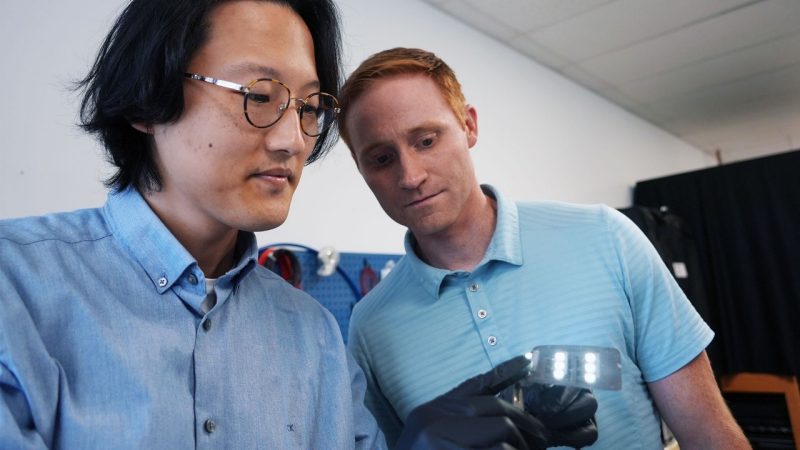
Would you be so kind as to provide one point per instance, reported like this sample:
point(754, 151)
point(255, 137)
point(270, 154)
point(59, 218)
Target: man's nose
point(287, 134)
point(413, 170)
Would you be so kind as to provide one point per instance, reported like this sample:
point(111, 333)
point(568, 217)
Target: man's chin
point(426, 227)
point(263, 224)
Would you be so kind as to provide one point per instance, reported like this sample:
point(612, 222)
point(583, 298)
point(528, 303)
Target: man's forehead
point(259, 39)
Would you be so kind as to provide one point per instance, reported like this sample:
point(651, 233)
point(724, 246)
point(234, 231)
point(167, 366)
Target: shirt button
point(482, 313)
point(492, 340)
point(162, 282)
point(192, 279)
point(207, 324)
point(474, 287)
point(209, 426)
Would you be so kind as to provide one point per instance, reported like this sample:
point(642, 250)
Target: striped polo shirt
point(553, 274)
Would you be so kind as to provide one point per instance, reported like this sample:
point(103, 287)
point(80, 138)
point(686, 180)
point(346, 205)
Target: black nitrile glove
point(472, 416)
point(567, 412)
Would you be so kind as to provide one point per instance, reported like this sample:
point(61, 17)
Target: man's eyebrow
point(426, 127)
point(262, 71)
point(254, 68)
point(372, 146)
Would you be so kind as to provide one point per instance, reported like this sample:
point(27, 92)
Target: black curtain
point(744, 220)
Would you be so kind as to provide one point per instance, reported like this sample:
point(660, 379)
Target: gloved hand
point(567, 413)
point(472, 416)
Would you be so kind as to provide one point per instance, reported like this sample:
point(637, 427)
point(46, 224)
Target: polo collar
point(505, 246)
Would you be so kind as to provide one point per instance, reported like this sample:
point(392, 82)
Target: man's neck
point(213, 248)
point(462, 247)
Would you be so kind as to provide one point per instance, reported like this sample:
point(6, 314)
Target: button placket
point(480, 306)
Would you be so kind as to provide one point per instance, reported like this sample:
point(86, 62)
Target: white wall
point(541, 136)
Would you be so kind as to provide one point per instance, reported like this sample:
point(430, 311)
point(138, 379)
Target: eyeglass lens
point(265, 103)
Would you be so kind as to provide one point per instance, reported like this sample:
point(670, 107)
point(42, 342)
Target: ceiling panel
point(759, 59)
point(524, 16)
point(623, 23)
point(717, 73)
point(490, 24)
point(540, 53)
point(742, 28)
point(725, 102)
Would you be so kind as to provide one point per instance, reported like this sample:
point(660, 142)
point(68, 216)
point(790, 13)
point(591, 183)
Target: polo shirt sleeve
point(669, 333)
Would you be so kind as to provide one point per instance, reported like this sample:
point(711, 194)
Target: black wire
point(315, 252)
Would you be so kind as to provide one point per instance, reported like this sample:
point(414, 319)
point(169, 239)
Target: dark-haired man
point(485, 278)
point(147, 323)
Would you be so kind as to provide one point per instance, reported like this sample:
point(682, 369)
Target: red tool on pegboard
point(368, 278)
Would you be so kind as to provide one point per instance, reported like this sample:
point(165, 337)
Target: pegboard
point(339, 291)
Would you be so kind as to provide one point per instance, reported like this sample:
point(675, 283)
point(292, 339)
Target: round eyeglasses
point(265, 101)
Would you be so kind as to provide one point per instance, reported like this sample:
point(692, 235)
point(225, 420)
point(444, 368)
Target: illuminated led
point(590, 357)
point(559, 374)
point(590, 368)
point(590, 377)
point(560, 356)
point(560, 366)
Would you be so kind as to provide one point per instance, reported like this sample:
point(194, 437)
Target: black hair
point(137, 77)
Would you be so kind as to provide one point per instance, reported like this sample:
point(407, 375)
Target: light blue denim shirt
point(103, 344)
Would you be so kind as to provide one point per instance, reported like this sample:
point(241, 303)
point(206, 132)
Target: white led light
point(576, 365)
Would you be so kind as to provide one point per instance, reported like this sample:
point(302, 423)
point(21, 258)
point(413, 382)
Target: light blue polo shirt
point(554, 273)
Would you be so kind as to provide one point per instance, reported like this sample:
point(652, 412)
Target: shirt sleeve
point(669, 332)
point(367, 433)
point(378, 404)
point(28, 379)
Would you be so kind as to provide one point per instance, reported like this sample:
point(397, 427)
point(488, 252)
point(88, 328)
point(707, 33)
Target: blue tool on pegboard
point(327, 275)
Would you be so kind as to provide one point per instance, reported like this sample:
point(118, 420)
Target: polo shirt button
point(474, 287)
point(192, 279)
point(482, 313)
point(492, 340)
point(162, 282)
point(209, 426)
point(207, 324)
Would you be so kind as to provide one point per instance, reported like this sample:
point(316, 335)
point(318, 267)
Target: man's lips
point(275, 175)
point(420, 200)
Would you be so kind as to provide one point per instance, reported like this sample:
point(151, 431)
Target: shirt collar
point(505, 245)
point(154, 247)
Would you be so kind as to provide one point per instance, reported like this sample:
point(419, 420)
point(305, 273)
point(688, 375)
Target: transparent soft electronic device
point(572, 365)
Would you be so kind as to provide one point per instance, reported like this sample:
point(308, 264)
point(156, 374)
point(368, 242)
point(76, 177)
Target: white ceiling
point(721, 74)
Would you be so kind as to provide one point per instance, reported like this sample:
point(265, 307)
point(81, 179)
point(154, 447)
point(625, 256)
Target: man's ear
point(471, 123)
point(144, 128)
